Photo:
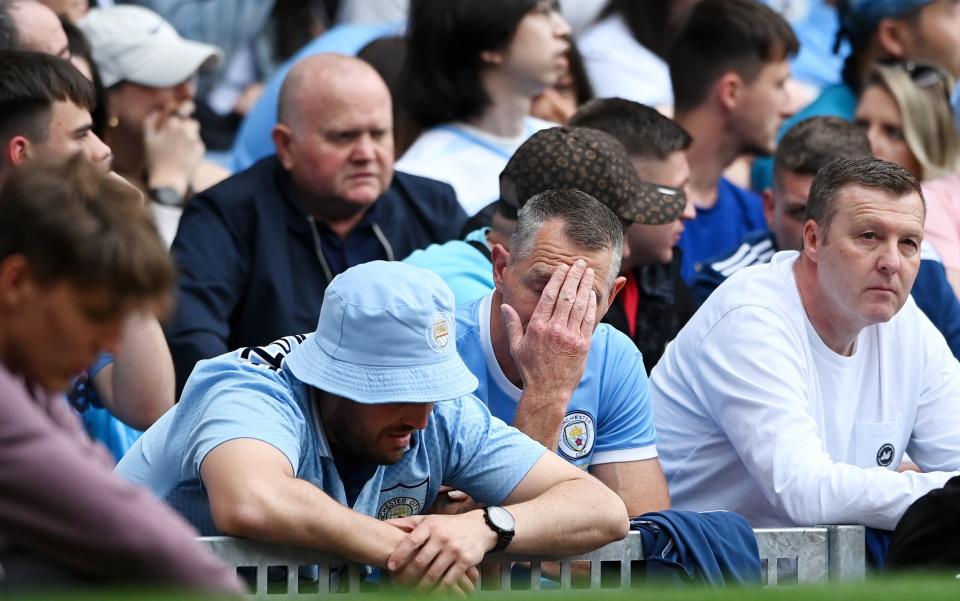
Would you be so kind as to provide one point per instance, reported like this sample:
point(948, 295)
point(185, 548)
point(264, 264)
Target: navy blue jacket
point(248, 258)
point(713, 547)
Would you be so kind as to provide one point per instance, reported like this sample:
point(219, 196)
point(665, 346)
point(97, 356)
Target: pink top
point(943, 218)
point(60, 499)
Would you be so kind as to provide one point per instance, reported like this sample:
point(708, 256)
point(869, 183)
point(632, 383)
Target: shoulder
point(468, 321)
point(757, 247)
point(759, 293)
point(610, 341)
point(613, 351)
point(458, 253)
point(247, 372)
point(728, 189)
point(423, 190)
point(240, 187)
point(431, 145)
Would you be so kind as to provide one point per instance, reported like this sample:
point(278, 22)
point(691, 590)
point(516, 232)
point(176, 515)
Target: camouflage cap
point(591, 161)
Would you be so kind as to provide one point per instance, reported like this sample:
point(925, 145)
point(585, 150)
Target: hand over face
point(173, 147)
point(552, 353)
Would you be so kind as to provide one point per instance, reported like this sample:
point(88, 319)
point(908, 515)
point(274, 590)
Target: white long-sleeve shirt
point(757, 415)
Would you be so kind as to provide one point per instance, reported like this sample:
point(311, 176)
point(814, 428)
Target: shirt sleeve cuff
point(624, 455)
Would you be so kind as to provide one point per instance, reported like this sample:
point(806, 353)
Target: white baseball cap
point(132, 43)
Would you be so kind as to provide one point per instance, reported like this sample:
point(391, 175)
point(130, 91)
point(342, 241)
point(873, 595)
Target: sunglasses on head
point(924, 76)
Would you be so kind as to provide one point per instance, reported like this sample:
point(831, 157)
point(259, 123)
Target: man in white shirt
point(792, 395)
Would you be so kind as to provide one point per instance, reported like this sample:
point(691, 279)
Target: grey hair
point(586, 222)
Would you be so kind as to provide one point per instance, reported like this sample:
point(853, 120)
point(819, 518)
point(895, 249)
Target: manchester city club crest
point(578, 435)
point(399, 507)
point(438, 334)
point(402, 500)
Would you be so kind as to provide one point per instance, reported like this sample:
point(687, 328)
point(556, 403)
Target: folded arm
point(253, 493)
point(760, 402)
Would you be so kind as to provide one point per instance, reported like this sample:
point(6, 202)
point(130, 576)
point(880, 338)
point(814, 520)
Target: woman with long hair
point(905, 109)
point(471, 73)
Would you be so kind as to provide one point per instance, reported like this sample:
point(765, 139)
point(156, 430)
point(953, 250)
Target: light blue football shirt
point(608, 420)
point(467, 271)
point(249, 393)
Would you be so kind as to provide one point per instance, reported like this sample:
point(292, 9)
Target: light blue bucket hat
point(386, 334)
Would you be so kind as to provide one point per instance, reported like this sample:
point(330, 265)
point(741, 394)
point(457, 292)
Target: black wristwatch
point(500, 521)
point(166, 196)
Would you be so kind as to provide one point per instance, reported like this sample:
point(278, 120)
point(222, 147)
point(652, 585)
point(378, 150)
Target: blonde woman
point(905, 110)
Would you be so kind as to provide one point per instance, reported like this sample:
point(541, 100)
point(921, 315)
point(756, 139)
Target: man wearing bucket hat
point(372, 412)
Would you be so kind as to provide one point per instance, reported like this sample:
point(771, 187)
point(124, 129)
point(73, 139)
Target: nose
point(560, 26)
point(185, 90)
point(689, 210)
point(416, 415)
point(364, 150)
point(876, 144)
point(98, 152)
point(889, 258)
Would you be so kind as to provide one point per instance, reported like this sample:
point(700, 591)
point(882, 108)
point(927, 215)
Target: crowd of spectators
point(413, 281)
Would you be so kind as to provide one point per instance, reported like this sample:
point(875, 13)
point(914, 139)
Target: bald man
point(257, 251)
point(30, 25)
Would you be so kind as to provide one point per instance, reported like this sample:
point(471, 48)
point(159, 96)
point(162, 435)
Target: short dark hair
point(718, 36)
point(80, 48)
point(30, 82)
point(814, 142)
point(444, 42)
point(75, 224)
point(869, 172)
point(9, 39)
point(642, 130)
point(586, 222)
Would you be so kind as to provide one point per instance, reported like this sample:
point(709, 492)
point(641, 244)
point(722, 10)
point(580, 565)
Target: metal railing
point(788, 555)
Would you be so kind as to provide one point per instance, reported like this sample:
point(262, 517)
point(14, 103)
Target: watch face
point(501, 518)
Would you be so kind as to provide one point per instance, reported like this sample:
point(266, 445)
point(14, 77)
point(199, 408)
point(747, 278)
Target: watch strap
point(166, 196)
point(503, 536)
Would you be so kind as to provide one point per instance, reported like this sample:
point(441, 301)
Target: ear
point(501, 259)
point(283, 140)
point(618, 285)
point(813, 239)
point(16, 282)
point(894, 37)
point(729, 90)
point(769, 206)
point(17, 150)
point(491, 57)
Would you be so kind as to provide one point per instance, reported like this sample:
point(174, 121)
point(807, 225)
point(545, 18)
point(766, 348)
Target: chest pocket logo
point(578, 435)
point(878, 444)
point(885, 455)
point(403, 500)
